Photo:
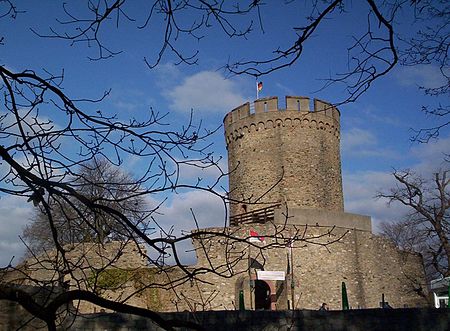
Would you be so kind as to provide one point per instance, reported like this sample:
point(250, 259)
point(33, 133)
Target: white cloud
point(205, 92)
point(362, 143)
point(428, 76)
point(207, 208)
point(15, 214)
point(190, 173)
point(167, 73)
point(355, 138)
point(372, 114)
point(360, 190)
point(431, 155)
point(30, 122)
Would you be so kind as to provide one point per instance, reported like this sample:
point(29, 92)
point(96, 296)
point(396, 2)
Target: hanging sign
point(270, 275)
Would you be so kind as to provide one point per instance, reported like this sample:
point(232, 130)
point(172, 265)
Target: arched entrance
point(262, 295)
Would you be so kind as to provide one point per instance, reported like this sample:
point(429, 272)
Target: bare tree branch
point(426, 229)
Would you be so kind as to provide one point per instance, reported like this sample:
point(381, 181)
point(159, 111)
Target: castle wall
point(278, 156)
point(294, 216)
point(368, 264)
point(82, 259)
point(323, 257)
point(109, 269)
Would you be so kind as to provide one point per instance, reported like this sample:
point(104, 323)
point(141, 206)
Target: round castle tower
point(282, 156)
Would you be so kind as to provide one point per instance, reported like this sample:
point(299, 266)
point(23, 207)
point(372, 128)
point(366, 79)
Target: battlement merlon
point(293, 103)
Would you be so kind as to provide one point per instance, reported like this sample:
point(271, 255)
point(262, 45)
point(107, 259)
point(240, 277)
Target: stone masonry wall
point(278, 156)
point(368, 264)
point(83, 257)
point(110, 269)
point(323, 257)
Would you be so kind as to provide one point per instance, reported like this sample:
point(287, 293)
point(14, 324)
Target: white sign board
point(270, 275)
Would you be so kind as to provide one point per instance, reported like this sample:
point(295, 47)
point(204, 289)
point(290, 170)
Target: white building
point(440, 289)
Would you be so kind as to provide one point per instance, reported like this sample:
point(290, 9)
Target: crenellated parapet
point(265, 114)
point(293, 103)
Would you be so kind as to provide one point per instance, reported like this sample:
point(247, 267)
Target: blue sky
point(376, 130)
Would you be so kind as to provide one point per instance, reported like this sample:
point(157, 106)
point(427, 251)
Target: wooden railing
point(262, 215)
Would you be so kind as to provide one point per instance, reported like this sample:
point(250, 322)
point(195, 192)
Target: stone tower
point(289, 155)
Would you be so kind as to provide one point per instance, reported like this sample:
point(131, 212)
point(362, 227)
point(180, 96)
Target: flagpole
point(292, 274)
point(250, 276)
point(257, 90)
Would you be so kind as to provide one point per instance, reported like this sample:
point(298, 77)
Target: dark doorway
point(262, 295)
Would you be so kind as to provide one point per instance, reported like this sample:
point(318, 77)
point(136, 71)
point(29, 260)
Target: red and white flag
point(255, 237)
point(260, 86)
